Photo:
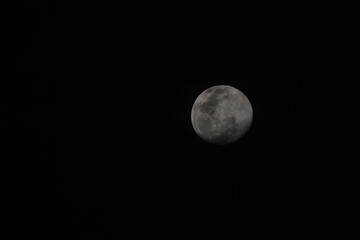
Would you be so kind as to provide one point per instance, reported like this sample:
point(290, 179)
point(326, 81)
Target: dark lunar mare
point(209, 106)
point(204, 123)
point(211, 103)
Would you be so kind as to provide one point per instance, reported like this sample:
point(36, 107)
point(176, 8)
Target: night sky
point(100, 121)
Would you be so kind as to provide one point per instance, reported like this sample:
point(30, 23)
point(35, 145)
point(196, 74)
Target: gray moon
point(221, 114)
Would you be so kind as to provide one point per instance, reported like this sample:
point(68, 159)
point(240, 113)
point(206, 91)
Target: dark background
point(100, 119)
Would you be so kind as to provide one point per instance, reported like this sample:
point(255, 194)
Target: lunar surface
point(221, 115)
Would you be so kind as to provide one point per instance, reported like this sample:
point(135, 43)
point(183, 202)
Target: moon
point(221, 115)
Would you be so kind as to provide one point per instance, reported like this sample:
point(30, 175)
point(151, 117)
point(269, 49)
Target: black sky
point(101, 117)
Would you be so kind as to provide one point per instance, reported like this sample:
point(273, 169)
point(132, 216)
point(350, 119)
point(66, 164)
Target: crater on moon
point(221, 114)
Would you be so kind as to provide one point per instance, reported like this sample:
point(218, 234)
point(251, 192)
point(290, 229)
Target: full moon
point(221, 114)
